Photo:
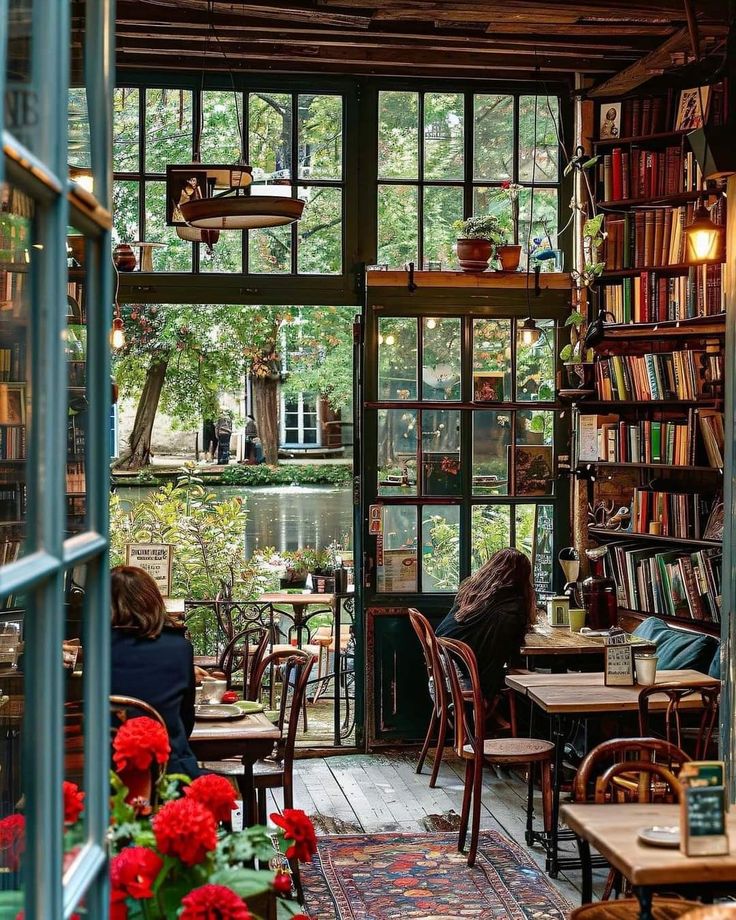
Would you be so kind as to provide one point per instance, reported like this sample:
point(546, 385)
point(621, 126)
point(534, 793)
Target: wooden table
point(563, 695)
point(612, 830)
point(557, 641)
point(250, 738)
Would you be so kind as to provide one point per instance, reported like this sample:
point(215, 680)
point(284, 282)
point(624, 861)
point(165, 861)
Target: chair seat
point(514, 750)
point(266, 773)
point(312, 649)
point(628, 909)
point(713, 912)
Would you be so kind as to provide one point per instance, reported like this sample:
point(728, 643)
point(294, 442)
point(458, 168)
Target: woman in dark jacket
point(152, 660)
point(493, 611)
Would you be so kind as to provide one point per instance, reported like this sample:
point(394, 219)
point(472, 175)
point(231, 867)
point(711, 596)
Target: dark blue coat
point(160, 672)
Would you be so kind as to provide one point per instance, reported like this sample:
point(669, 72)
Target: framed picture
point(534, 470)
point(610, 120)
point(558, 611)
point(155, 558)
point(693, 108)
point(488, 387)
point(183, 184)
point(12, 405)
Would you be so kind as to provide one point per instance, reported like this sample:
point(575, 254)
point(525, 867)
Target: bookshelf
point(650, 436)
point(76, 362)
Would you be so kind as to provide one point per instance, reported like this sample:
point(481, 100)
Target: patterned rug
point(388, 876)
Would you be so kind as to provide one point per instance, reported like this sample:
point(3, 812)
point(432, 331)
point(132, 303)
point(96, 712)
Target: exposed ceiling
point(466, 39)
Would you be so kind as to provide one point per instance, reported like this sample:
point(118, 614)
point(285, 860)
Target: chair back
point(677, 694)
point(438, 687)
point(242, 656)
point(459, 662)
point(268, 665)
point(651, 763)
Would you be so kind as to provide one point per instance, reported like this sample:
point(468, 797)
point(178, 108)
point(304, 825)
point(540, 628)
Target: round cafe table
point(146, 248)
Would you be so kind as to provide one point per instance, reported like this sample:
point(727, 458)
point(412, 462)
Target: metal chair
point(438, 692)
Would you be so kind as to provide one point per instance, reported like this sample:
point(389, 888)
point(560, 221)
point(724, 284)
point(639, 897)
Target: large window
point(444, 156)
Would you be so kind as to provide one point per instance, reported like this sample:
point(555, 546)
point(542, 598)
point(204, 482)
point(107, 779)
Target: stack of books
point(650, 377)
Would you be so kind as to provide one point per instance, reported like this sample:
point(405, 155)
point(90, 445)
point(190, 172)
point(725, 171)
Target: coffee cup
point(646, 668)
point(577, 619)
point(213, 690)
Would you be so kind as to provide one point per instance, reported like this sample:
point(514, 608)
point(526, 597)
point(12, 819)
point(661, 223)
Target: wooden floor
point(370, 793)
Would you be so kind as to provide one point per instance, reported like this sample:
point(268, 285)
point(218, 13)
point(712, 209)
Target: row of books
point(12, 502)
point(665, 375)
point(609, 439)
point(13, 362)
point(639, 174)
point(686, 515)
point(670, 584)
point(12, 291)
point(12, 442)
point(75, 437)
point(10, 549)
point(651, 297)
point(640, 117)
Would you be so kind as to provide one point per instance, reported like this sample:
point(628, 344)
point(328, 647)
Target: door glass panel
point(443, 204)
point(397, 358)
point(397, 452)
point(75, 583)
point(441, 370)
point(398, 135)
point(320, 137)
point(533, 462)
point(126, 215)
point(396, 556)
point(75, 349)
point(168, 128)
point(440, 547)
point(492, 360)
point(269, 134)
point(125, 130)
point(491, 440)
point(444, 117)
point(269, 250)
point(535, 364)
point(80, 154)
point(175, 255)
point(226, 255)
point(493, 133)
point(490, 531)
point(537, 219)
point(398, 225)
point(441, 466)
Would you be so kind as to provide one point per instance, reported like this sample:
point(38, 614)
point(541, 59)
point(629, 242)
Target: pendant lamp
point(241, 212)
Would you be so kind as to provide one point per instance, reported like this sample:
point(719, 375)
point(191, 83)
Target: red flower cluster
point(297, 827)
point(132, 873)
point(282, 883)
point(185, 828)
point(73, 802)
point(12, 841)
point(215, 793)
point(214, 902)
point(140, 741)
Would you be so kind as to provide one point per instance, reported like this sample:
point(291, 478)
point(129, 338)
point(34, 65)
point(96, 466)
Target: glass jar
point(599, 592)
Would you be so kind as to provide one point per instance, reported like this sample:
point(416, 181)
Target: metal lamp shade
point(242, 212)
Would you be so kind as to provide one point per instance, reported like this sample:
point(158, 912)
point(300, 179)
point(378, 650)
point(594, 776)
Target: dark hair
point(137, 604)
point(507, 568)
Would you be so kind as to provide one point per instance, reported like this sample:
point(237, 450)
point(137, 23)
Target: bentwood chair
point(698, 739)
point(438, 692)
point(459, 659)
point(242, 656)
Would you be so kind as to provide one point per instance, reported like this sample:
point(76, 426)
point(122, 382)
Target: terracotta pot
point(509, 257)
point(123, 258)
point(474, 255)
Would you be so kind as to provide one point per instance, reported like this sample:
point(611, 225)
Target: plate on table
point(218, 712)
point(660, 836)
point(249, 706)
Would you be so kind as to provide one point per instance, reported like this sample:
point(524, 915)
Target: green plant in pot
point(477, 239)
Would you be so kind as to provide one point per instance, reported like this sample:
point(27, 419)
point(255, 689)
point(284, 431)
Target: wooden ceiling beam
point(644, 69)
point(651, 11)
point(307, 13)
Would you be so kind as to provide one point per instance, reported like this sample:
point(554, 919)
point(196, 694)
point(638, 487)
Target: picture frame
point(183, 184)
point(12, 404)
point(692, 108)
point(533, 467)
point(558, 611)
point(609, 120)
point(488, 386)
point(155, 558)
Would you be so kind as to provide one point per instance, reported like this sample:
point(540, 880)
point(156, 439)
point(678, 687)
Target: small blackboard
point(619, 662)
point(542, 555)
point(703, 825)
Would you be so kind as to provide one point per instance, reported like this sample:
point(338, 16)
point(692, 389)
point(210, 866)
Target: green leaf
point(575, 318)
point(245, 882)
point(591, 162)
point(566, 353)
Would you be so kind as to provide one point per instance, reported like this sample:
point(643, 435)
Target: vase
point(580, 374)
point(509, 257)
point(474, 255)
point(123, 258)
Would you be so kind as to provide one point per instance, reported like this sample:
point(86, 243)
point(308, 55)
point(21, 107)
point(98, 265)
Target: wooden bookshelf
point(672, 328)
point(630, 619)
point(657, 138)
point(655, 201)
point(603, 534)
point(650, 466)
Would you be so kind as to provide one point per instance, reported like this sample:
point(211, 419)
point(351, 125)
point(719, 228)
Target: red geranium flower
point(215, 793)
point(186, 829)
point(282, 883)
point(297, 827)
point(140, 741)
point(73, 802)
point(12, 841)
point(133, 871)
point(118, 905)
point(214, 902)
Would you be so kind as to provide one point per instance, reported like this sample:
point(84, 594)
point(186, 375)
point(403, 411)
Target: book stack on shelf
point(652, 377)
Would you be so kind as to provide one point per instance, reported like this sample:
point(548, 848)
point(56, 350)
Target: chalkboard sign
point(542, 555)
point(703, 825)
point(619, 662)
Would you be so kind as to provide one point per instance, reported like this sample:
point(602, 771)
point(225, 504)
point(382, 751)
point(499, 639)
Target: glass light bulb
point(431, 323)
point(117, 335)
point(380, 340)
point(389, 340)
point(702, 243)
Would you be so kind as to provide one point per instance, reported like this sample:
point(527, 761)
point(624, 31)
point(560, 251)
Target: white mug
point(213, 690)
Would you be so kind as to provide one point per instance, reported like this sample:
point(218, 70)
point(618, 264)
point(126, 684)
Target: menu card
point(619, 661)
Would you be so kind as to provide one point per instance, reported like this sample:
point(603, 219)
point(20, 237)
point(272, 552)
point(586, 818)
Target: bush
point(333, 474)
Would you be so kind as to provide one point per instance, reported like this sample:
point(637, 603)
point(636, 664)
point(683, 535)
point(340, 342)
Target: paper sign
point(375, 519)
point(154, 558)
point(399, 571)
point(619, 663)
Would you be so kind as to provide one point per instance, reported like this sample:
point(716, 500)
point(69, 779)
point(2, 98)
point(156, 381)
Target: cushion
point(715, 666)
point(678, 648)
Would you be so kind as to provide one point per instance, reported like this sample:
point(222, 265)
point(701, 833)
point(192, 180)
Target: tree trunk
point(138, 453)
point(265, 399)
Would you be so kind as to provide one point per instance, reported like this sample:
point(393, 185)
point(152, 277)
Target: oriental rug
point(388, 876)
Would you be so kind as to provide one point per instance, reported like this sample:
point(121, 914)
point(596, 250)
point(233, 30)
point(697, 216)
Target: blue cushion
point(678, 648)
point(715, 666)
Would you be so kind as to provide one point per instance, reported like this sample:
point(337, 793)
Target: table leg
point(587, 871)
point(245, 784)
point(552, 865)
point(645, 903)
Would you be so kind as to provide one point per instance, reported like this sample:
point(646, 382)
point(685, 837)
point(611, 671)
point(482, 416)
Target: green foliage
point(485, 227)
point(336, 474)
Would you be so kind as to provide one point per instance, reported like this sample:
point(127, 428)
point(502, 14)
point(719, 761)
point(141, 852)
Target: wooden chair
point(438, 691)
point(458, 658)
point(675, 732)
point(713, 912)
point(123, 708)
point(628, 909)
point(242, 657)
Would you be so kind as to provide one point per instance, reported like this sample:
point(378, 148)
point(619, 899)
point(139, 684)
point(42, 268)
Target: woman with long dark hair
point(493, 610)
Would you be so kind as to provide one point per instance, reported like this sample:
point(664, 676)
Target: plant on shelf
point(509, 254)
point(478, 238)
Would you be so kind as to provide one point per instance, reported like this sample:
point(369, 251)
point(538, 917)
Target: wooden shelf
point(710, 403)
point(679, 198)
point(660, 136)
point(676, 269)
point(601, 533)
point(702, 626)
point(650, 466)
point(488, 279)
point(695, 325)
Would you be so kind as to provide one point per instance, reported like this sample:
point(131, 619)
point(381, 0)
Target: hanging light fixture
point(117, 335)
point(704, 238)
point(529, 332)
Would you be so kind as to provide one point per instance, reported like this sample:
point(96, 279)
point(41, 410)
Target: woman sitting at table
point(493, 610)
point(152, 660)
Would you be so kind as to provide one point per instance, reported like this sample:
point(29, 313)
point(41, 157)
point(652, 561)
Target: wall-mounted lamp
point(704, 238)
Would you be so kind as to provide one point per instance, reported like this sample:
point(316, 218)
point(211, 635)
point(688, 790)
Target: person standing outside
point(251, 433)
point(224, 431)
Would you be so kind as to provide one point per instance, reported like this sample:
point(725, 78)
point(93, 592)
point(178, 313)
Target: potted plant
point(477, 237)
point(509, 254)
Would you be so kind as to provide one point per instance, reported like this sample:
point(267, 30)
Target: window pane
point(397, 556)
point(535, 364)
point(443, 135)
point(397, 452)
point(489, 200)
point(80, 153)
point(440, 548)
point(538, 144)
point(535, 538)
point(543, 219)
point(269, 250)
point(74, 734)
point(168, 128)
point(398, 135)
point(397, 358)
point(220, 130)
point(493, 127)
point(398, 230)
point(442, 206)
point(176, 254)
point(75, 349)
point(319, 247)
point(490, 531)
point(320, 137)
point(492, 360)
point(533, 464)
point(441, 466)
point(125, 198)
point(269, 134)
point(226, 254)
point(491, 440)
point(441, 371)
point(125, 128)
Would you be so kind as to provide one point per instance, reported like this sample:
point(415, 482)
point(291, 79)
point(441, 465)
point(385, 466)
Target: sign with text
point(542, 559)
point(154, 558)
point(619, 661)
point(703, 809)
